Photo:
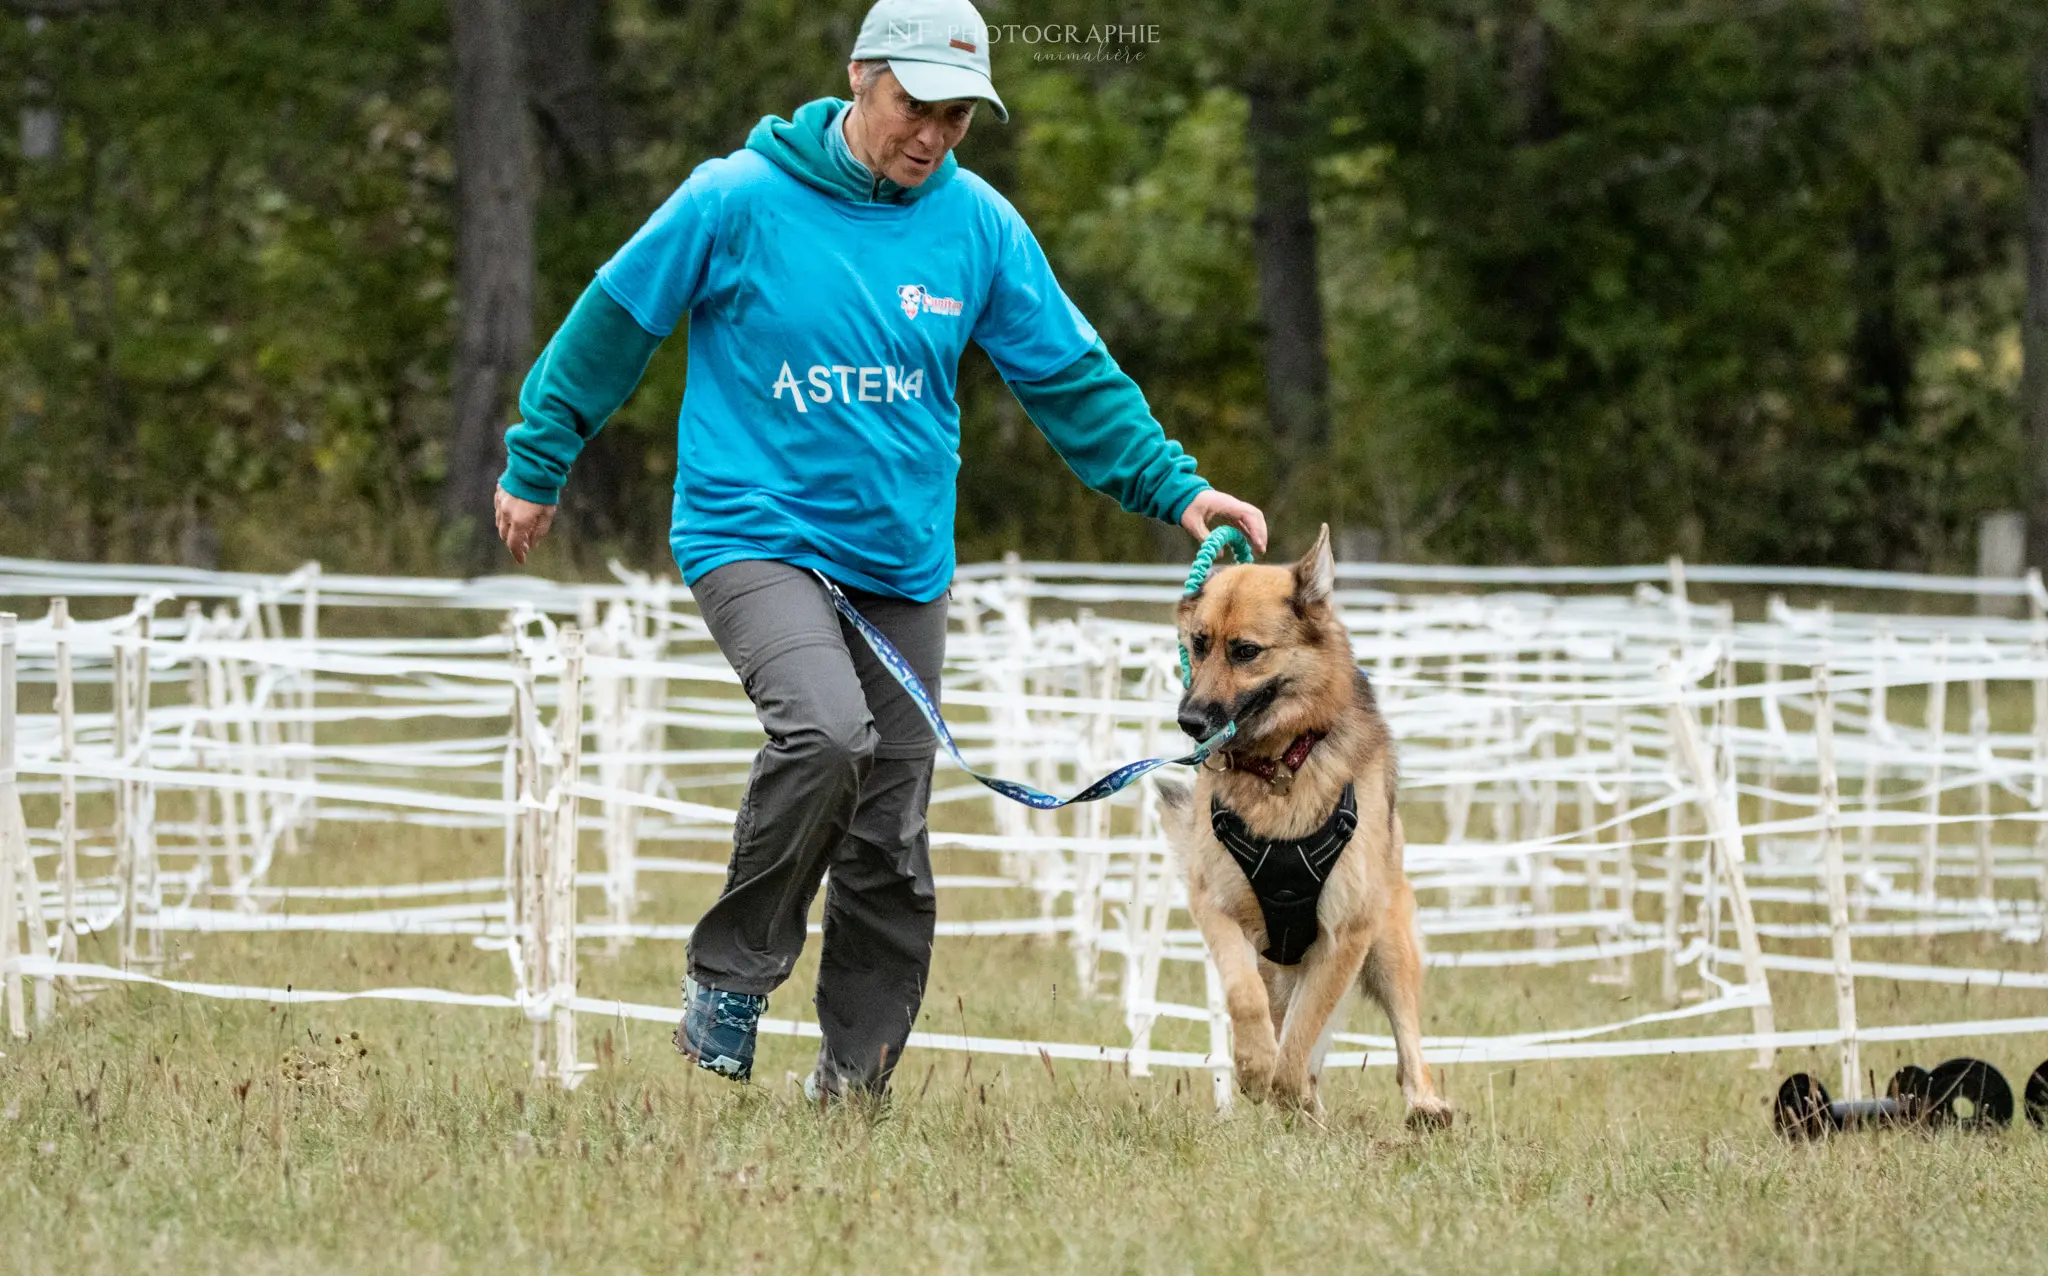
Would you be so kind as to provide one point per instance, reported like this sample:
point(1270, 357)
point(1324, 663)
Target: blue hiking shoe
point(718, 1029)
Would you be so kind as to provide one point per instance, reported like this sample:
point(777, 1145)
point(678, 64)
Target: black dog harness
point(1287, 873)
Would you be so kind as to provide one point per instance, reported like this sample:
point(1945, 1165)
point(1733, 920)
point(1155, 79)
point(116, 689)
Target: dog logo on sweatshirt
point(917, 301)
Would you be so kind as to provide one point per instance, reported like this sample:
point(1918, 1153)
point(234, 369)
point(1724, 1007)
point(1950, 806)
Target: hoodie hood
point(809, 147)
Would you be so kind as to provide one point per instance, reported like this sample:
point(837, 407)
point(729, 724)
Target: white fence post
point(67, 785)
point(1724, 835)
point(1937, 726)
point(2037, 653)
point(1877, 738)
point(1625, 841)
point(309, 698)
point(1102, 679)
point(1980, 740)
point(1222, 1063)
point(1674, 888)
point(13, 842)
point(196, 698)
point(559, 908)
point(524, 853)
point(1837, 887)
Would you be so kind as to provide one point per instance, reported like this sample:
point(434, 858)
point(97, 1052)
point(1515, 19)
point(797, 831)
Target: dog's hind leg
point(1330, 966)
point(1393, 978)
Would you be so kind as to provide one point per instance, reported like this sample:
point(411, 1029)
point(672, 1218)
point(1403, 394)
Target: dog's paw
point(1255, 1074)
point(1430, 1114)
point(1296, 1090)
point(1256, 1086)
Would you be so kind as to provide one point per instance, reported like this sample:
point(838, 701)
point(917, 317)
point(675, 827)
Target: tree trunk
point(1283, 135)
point(2034, 328)
point(1529, 77)
point(565, 75)
point(494, 266)
point(41, 135)
point(1881, 379)
point(1881, 345)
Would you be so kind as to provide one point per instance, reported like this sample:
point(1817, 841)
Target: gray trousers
point(840, 787)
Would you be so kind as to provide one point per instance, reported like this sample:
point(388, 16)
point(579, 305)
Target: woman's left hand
point(1213, 507)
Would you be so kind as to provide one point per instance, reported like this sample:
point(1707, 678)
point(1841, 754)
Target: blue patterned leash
point(1116, 781)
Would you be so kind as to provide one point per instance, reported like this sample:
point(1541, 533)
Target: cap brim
point(937, 82)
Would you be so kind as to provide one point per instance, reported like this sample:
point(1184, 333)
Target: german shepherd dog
point(1291, 843)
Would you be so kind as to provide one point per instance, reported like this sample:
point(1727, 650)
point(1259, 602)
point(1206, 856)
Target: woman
point(833, 271)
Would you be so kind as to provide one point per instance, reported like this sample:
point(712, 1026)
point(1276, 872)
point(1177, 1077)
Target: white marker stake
point(1937, 720)
point(1625, 841)
point(196, 697)
point(1222, 1064)
point(1837, 887)
point(1725, 835)
point(561, 901)
point(309, 695)
point(67, 787)
point(2037, 652)
point(1877, 738)
point(1980, 740)
point(12, 846)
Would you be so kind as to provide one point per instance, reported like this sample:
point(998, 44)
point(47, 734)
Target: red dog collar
point(1278, 772)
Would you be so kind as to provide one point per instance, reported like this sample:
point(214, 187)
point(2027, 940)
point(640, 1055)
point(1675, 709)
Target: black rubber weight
point(1912, 1086)
point(1801, 1111)
point(2037, 1096)
point(1971, 1081)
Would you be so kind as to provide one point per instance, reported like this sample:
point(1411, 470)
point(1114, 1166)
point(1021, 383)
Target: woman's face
point(906, 139)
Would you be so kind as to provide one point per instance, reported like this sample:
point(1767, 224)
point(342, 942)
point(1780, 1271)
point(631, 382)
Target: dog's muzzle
point(1201, 719)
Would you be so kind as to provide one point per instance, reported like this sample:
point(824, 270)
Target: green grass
point(146, 1131)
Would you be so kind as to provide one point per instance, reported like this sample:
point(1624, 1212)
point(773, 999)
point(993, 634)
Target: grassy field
point(145, 1131)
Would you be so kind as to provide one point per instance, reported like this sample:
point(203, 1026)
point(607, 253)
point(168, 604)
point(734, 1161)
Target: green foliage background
point(229, 314)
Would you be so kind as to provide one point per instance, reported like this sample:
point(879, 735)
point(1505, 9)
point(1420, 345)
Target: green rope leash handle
point(1198, 575)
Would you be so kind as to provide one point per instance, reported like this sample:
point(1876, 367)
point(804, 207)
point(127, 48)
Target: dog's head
point(1267, 648)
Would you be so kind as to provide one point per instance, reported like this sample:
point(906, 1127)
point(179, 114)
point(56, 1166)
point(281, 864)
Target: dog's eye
point(1243, 653)
point(1199, 644)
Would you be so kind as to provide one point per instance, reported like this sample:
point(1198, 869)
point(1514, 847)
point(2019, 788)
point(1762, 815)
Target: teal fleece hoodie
point(1092, 412)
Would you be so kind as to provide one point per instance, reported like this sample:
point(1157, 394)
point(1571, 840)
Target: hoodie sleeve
point(659, 274)
point(1027, 325)
point(601, 351)
point(1097, 419)
point(586, 373)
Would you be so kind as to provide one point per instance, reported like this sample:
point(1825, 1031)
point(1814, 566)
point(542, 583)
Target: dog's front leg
point(1253, 1047)
point(1328, 969)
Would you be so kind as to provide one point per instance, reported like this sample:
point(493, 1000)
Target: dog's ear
point(1315, 576)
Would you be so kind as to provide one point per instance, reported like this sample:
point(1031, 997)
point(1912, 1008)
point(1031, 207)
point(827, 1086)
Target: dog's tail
point(1176, 807)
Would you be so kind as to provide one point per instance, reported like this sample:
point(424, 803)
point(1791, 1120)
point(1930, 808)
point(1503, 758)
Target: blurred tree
point(565, 48)
point(1282, 56)
point(1521, 281)
point(494, 260)
point(2035, 395)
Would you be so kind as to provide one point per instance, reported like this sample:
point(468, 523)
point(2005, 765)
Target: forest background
point(1503, 281)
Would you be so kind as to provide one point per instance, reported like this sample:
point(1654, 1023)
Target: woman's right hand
point(521, 524)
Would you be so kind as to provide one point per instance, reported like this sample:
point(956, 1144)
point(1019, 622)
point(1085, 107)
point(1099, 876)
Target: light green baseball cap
point(937, 48)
